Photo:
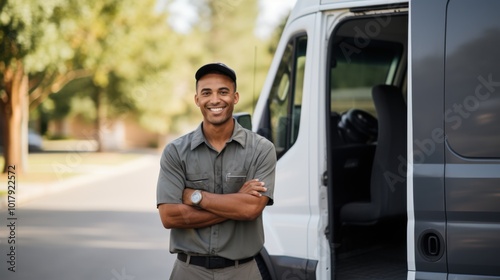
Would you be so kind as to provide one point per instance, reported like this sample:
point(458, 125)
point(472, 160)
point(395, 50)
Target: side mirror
point(244, 119)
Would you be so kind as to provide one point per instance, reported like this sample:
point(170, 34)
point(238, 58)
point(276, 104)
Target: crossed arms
point(246, 204)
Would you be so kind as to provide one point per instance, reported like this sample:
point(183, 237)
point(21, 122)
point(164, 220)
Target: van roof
point(304, 7)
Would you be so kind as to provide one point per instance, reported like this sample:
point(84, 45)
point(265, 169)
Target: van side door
point(472, 126)
point(454, 167)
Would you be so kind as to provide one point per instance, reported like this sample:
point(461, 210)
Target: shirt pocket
point(234, 181)
point(198, 181)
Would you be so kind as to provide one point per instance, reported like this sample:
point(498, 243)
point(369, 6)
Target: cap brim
point(215, 67)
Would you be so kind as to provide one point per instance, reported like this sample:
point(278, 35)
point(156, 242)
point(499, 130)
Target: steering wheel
point(358, 126)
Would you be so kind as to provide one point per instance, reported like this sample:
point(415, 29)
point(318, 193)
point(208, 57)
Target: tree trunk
point(11, 107)
point(100, 120)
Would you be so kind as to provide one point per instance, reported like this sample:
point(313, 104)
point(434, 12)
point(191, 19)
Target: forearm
point(185, 216)
point(235, 206)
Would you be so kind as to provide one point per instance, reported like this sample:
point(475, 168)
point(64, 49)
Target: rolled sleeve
point(171, 179)
point(266, 168)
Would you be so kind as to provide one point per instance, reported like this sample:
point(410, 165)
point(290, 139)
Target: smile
point(216, 109)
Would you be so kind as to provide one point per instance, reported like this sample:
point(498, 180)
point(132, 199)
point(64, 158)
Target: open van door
point(290, 225)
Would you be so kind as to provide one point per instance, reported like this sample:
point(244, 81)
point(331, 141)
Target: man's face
point(216, 97)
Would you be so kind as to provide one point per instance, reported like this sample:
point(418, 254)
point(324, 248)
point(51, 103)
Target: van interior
point(367, 145)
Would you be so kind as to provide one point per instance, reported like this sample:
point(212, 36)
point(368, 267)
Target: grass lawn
point(50, 166)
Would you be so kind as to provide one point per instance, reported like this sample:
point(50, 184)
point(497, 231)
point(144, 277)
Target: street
point(107, 230)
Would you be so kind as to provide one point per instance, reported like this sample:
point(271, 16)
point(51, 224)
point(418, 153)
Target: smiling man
point(213, 186)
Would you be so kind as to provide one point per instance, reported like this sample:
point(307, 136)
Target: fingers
point(258, 193)
point(253, 187)
point(255, 183)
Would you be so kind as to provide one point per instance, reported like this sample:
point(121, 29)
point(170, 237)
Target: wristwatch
point(196, 197)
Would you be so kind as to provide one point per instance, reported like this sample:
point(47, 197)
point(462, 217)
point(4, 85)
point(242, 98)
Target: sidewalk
point(51, 172)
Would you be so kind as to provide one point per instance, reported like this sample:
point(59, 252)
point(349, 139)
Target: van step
point(377, 263)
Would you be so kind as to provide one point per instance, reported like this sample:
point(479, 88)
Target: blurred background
point(119, 74)
point(90, 92)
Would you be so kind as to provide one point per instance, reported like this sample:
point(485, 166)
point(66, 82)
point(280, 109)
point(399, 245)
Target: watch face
point(196, 197)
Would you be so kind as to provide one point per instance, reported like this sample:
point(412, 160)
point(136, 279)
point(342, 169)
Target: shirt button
point(213, 251)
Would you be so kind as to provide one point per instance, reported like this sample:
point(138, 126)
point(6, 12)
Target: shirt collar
point(238, 135)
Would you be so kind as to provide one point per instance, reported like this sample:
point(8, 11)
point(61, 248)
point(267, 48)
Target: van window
point(282, 119)
point(358, 64)
point(472, 78)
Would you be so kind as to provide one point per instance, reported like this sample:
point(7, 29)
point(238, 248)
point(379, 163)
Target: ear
point(196, 99)
point(236, 97)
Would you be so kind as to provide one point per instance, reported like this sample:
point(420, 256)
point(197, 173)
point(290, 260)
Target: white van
point(386, 120)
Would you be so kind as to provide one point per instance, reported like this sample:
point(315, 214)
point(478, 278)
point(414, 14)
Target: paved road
point(107, 230)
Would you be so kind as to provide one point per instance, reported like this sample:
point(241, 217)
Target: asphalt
point(28, 191)
point(102, 225)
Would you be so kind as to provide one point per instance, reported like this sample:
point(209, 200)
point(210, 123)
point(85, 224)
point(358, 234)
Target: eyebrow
point(221, 88)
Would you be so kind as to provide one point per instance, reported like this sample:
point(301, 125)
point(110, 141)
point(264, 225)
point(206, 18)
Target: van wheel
point(264, 272)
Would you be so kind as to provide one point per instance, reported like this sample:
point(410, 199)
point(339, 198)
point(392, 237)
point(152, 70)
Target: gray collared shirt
point(189, 161)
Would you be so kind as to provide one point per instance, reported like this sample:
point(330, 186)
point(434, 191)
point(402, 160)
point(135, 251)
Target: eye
point(223, 92)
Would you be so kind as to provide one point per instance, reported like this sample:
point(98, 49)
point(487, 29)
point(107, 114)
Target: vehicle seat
point(388, 175)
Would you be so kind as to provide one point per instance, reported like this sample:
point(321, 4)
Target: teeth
point(215, 109)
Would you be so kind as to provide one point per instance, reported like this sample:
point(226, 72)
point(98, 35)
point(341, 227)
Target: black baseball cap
point(215, 68)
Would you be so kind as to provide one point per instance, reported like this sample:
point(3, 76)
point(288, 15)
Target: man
point(213, 186)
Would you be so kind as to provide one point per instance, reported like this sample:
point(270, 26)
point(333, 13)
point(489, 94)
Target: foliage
point(275, 38)
point(25, 28)
point(126, 53)
point(224, 32)
point(131, 47)
point(118, 47)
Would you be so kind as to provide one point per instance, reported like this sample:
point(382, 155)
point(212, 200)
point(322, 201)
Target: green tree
point(26, 27)
point(224, 32)
point(128, 50)
point(125, 46)
point(276, 35)
point(230, 37)
point(120, 46)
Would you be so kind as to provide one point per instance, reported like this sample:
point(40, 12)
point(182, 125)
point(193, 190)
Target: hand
point(253, 187)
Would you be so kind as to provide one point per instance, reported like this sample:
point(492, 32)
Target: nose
point(214, 98)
